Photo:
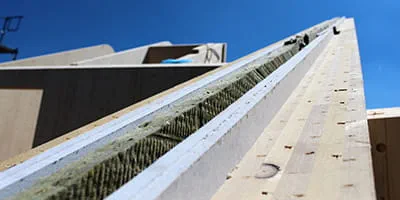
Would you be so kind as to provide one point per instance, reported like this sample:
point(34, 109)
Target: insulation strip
point(104, 170)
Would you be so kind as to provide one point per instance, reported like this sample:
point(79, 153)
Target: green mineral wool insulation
point(104, 170)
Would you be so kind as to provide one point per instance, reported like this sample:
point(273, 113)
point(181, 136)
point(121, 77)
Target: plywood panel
point(19, 109)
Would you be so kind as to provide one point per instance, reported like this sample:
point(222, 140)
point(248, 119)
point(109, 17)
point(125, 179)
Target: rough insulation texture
point(103, 171)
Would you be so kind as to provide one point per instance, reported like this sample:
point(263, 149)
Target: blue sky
point(51, 26)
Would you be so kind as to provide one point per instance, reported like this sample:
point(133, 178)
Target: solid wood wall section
point(19, 109)
point(75, 97)
point(319, 139)
point(377, 131)
point(393, 158)
point(385, 140)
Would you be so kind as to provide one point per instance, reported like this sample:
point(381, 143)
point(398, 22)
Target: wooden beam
point(319, 139)
point(383, 128)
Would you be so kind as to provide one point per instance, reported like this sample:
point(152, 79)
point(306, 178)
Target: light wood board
point(32, 152)
point(19, 109)
point(319, 139)
point(383, 128)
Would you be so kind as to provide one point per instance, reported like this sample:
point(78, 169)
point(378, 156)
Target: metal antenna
point(11, 24)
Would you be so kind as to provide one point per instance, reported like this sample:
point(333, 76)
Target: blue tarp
point(175, 61)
